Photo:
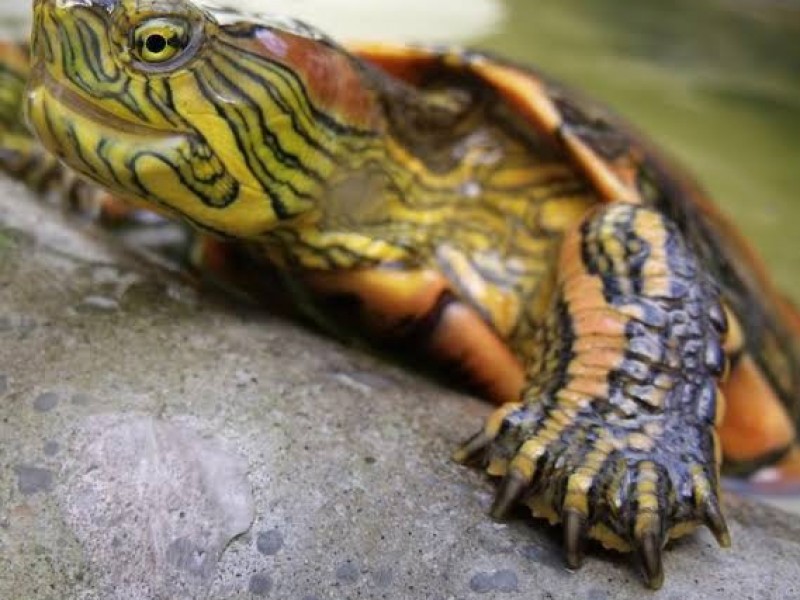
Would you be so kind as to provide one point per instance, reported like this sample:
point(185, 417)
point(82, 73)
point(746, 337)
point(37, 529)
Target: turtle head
point(235, 123)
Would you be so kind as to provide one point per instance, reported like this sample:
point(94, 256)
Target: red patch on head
point(331, 79)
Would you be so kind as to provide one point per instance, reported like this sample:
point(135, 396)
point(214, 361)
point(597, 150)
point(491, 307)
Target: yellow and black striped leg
point(615, 435)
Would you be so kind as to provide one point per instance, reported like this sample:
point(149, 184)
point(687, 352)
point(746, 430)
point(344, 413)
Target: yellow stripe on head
point(237, 128)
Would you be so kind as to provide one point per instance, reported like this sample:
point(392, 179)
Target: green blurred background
point(714, 82)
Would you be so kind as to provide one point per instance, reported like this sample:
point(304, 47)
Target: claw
point(716, 523)
point(513, 486)
point(474, 446)
point(484, 438)
point(649, 550)
point(574, 536)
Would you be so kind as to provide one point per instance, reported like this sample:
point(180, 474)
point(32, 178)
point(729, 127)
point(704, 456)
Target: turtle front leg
point(615, 436)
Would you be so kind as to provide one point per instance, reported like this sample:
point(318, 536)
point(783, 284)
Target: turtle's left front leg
point(614, 436)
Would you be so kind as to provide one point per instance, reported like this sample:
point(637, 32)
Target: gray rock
point(347, 573)
point(175, 496)
point(45, 402)
point(503, 581)
point(50, 448)
point(260, 584)
point(31, 480)
point(269, 542)
point(167, 468)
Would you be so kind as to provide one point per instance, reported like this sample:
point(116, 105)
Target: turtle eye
point(158, 41)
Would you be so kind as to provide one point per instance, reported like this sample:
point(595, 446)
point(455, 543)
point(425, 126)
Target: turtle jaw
point(96, 143)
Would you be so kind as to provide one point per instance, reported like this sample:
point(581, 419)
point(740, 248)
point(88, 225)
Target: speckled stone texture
point(163, 443)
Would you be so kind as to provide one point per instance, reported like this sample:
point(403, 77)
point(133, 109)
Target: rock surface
point(162, 443)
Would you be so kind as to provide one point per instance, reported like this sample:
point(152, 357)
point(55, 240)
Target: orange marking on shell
point(755, 423)
point(791, 314)
point(604, 178)
point(409, 64)
point(523, 92)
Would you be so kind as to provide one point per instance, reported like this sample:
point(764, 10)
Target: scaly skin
point(615, 437)
point(458, 202)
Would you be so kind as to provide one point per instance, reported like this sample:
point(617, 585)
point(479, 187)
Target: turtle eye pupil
point(156, 43)
point(161, 43)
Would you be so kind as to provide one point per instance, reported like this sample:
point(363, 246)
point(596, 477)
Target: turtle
point(455, 203)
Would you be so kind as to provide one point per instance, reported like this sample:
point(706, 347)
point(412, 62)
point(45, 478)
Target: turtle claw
point(479, 444)
point(649, 548)
point(716, 523)
point(574, 537)
point(630, 498)
point(511, 489)
point(473, 447)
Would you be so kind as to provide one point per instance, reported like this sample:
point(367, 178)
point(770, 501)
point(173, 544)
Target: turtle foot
point(630, 490)
point(615, 436)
